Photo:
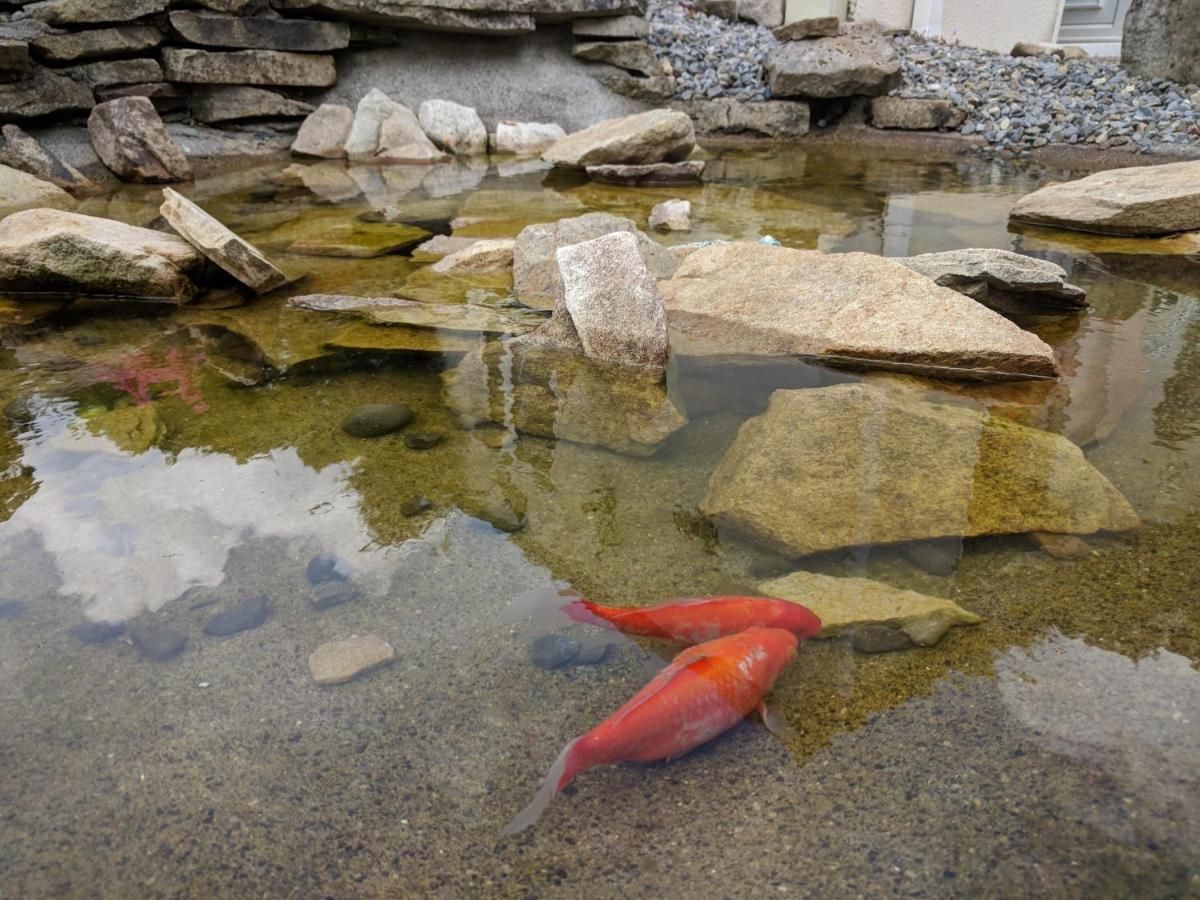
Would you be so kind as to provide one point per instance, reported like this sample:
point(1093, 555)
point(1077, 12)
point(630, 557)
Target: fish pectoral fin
point(776, 724)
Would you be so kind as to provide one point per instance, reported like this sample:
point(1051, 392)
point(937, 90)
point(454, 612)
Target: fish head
point(799, 620)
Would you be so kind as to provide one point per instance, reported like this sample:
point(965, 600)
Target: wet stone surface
point(158, 642)
point(241, 617)
point(377, 419)
point(553, 650)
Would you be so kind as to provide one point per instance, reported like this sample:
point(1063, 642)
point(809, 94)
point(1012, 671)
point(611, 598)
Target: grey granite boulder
point(860, 61)
point(1001, 279)
point(131, 139)
point(1162, 40)
point(454, 128)
point(323, 134)
point(527, 138)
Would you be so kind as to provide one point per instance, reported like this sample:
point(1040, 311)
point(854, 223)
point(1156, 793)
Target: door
point(1094, 22)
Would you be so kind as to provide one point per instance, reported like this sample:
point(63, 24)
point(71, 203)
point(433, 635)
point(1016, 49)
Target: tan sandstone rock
point(648, 137)
point(339, 661)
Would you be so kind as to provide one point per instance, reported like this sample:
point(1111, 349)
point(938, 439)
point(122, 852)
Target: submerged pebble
point(327, 567)
point(11, 609)
point(937, 556)
point(158, 642)
point(592, 653)
point(333, 593)
point(96, 632)
point(422, 440)
point(376, 419)
point(415, 505)
point(245, 615)
point(553, 650)
point(878, 639)
point(501, 517)
point(339, 661)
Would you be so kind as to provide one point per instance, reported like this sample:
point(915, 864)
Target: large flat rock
point(1003, 280)
point(850, 308)
point(43, 250)
point(1139, 200)
point(855, 464)
point(420, 16)
point(228, 104)
point(648, 137)
point(44, 93)
point(390, 311)
point(254, 67)
point(78, 46)
point(92, 12)
point(258, 32)
point(861, 61)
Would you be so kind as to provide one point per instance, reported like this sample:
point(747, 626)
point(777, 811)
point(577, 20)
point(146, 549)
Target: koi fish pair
point(742, 644)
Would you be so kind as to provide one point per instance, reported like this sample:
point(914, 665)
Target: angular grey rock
point(22, 152)
point(634, 56)
point(164, 96)
point(402, 140)
point(21, 190)
point(535, 267)
point(656, 89)
point(870, 465)
point(79, 46)
point(454, 128)
point(649, 175)
point(44, 93)
point(391, 14)
point(241, 260)
point(647, 137)
point(254, 67)
point(14, 60)
point(119, 71)
point(240, 617)
point(613, 28)
point(131, 139)
point(860, 61)
point(770, 118)
point(761, 12)
point(915, 114)
point(1162, 40)
point(228, 104)
point(1001, 279)
point(1139, 200)
point(92, 12)
point(323, 134)
point(803, 29)
point(527, 138)
point(259, 32)
point(854, 308)
point(47, 250)
point(375, 108)
point(671, 215)
point(480, 256)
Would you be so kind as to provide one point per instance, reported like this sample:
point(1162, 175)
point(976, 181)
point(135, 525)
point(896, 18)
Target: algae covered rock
point(135, 429)
point(854, 464)
point(846, 604)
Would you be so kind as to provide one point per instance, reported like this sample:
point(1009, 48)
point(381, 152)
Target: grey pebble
point(376, 419)
point(422, 440)
point(245, 615)
point(551, 651)
point(938, 556)
point(878, 639)
point(327, 567)
point(333, 593)
point(157, 641)
point(96, 632)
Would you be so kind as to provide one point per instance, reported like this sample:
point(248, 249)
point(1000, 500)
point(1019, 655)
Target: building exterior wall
point(892, 14)
point(998, 24)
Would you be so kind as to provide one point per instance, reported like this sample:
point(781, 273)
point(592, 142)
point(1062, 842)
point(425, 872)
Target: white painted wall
point(890, 13)
point(991, 24)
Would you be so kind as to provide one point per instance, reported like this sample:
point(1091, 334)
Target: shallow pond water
point(161, 465)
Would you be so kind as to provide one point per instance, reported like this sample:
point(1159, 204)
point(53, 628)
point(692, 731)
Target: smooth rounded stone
point(327, 566)
point(1139, 200)
point(1062, 546)
point(671, 215)
point(612, 28)
point(157, 642)
point(647, 137)
point(11, 609)
point(259, 32)
point(323, 134)
point(874, 464)
point(21, 151)
point(878, 639)
point(551, 651)
point(414, 506)
point(20, 190)
point(130, 138)
point(937, 557)
point(48, 250)
point(337, 662)
point(96, 632)
point(527, 138)
point(44, 93)
point(328, 594)
point(253, 67)
point(452, 127)
point(241, 617)
point(376, 419)
point(802, 29)
point(633, 56)
point(422, 440)
point(79, 46)
point(233, 254)
point(859, 62)
point(751, 298)
point(915, 114)
point(659, 174)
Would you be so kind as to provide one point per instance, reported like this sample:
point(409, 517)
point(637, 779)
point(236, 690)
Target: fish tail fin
point(588, 613)
point(566, 767)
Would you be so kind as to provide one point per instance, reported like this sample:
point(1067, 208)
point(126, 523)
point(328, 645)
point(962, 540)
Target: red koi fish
point(706, 690)
point(694, 621)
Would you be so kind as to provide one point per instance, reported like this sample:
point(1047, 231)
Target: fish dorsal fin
point(684, 665)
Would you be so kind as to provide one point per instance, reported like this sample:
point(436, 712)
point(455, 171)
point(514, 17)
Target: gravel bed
point(710, 57)
point(1015, 104)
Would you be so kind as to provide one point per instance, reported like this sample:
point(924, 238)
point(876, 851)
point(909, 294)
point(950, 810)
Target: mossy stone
point(376, 419)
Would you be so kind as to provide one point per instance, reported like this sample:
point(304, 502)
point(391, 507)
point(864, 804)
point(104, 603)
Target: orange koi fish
point(694, 621)
point(706, 690)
